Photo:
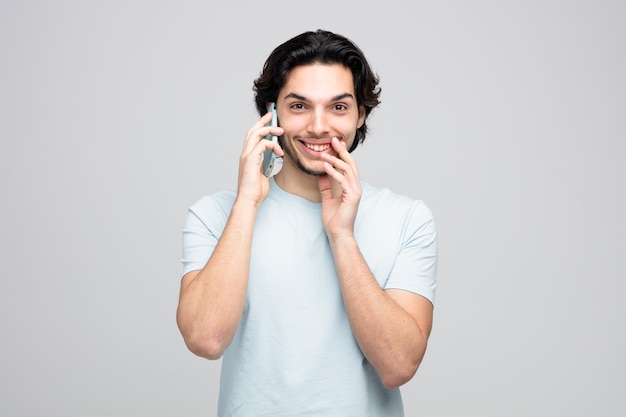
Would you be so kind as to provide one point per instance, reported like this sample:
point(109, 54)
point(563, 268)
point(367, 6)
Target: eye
point(297, 106)
point(340, 107)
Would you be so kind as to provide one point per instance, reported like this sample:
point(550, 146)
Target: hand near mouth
point(340, 190)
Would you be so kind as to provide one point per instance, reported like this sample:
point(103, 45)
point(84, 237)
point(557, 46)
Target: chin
point(309, 167)
point(310, 170)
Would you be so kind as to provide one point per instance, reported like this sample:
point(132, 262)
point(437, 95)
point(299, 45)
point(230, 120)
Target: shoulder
point(385, 202)
point(214, 206)
point(398, 238)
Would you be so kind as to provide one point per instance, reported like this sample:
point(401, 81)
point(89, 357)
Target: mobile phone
point(272, 163)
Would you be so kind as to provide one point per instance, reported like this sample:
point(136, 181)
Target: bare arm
point(391, 327)
point(212, 299)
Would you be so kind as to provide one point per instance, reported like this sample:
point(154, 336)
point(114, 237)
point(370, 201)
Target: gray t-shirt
point(294, 353)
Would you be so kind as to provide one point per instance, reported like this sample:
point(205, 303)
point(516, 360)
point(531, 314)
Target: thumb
point(326, 189)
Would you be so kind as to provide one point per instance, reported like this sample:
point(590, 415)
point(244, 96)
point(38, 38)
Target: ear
point(361, 117)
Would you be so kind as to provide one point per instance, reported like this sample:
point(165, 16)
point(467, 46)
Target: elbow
point(205, 348)
point(403, 366)
point(202, 343)
point(397, 377)
point(401, 370)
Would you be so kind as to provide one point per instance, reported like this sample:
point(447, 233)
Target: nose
point(318, 122)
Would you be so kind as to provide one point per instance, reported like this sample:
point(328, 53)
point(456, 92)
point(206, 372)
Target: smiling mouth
point(317, 148)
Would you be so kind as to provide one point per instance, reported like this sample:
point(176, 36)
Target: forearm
point(212, 301)
point(389, 337)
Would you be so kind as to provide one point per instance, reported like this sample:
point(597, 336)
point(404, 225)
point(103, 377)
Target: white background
point(506, 117)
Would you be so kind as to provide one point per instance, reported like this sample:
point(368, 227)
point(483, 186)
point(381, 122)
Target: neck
point(294, 181)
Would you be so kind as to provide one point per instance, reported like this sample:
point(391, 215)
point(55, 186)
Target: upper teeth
point(318, 148)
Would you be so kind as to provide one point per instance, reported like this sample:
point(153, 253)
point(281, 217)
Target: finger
point(342, 171)
point(256, 154)
point(325, 187)
point(340, 165)
point(338, 176)
point(341, 148)
point(350, 190)
point(257, 131)
point(266, 144)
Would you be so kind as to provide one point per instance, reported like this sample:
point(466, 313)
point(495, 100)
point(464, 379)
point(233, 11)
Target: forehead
point(319, 81)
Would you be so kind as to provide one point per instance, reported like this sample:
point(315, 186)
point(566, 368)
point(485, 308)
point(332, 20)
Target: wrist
point(245, 205)
point(342, 239)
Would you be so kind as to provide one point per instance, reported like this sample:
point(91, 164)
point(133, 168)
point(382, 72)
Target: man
point(315, 287)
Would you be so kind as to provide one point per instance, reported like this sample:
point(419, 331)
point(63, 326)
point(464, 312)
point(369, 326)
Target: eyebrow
point(336, 98)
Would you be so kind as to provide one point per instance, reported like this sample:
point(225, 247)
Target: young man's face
point(316, 104)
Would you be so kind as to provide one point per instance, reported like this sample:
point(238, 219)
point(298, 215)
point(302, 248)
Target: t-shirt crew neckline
point(278, 193)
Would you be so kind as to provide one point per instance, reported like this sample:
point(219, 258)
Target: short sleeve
point(204, 224)
point(415, 268)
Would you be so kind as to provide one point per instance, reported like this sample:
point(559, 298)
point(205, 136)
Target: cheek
point(348, 129)
point(292, 124)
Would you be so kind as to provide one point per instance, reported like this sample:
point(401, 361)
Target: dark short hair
point(322, 47)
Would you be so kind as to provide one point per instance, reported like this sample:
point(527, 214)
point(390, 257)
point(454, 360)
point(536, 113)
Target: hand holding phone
point(271, 162)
